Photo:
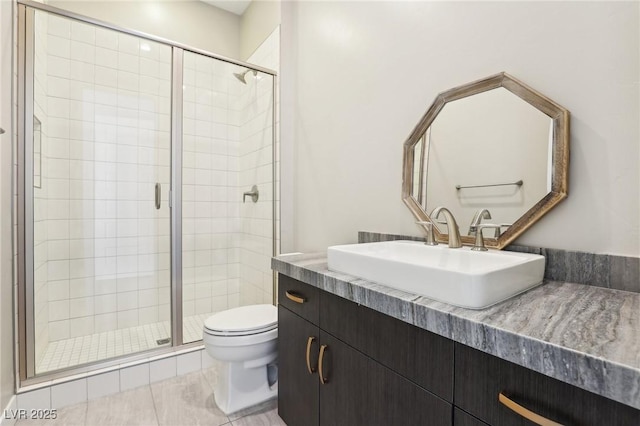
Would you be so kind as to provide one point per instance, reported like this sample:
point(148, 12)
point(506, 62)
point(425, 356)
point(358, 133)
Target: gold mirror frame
point(560, 150)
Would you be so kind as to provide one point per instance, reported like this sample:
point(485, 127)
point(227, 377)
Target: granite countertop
point(583, 335)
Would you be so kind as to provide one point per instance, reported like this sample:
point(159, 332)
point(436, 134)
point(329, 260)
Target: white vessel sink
point(459, 276)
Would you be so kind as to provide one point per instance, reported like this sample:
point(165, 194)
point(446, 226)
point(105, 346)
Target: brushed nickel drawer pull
point(323, 379)
point(527, 414)
point(295, 297)
point(309, 344)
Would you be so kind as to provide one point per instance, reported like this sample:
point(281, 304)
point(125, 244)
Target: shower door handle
point(158, 195)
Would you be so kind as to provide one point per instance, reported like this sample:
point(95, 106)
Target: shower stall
point(134, 157)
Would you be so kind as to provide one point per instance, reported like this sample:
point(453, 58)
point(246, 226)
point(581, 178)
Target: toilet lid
point(243, 320)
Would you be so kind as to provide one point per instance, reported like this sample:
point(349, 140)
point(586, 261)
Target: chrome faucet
point(479, 243)
point(429, 238)
point(477, 218)
point(452, 227)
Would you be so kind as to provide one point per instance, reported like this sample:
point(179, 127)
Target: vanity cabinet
point(480, 378)
point(358, 388)
point(382, 371)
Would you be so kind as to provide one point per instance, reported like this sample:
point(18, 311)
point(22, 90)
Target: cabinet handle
point(309, 344)
point(323, 379)
point(295, 297)
point(527, 414)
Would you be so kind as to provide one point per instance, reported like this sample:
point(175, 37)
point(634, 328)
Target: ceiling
point(234, 6)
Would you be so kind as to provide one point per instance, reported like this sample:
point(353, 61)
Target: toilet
point(243, 342)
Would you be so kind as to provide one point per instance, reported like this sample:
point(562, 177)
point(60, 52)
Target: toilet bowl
point(243, 342)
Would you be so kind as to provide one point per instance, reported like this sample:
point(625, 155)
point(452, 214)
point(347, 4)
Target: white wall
point(359, 75)
point(256, 24)
point(193, 23)
point(6, 259)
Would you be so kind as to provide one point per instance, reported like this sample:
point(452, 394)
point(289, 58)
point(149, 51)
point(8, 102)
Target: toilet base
point(239, 387)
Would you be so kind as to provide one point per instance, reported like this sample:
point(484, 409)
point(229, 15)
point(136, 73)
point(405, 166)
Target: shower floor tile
point(100, 346)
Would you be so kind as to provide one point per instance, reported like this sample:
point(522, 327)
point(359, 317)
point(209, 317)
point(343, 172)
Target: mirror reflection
point(495, 153)
point(489, 151)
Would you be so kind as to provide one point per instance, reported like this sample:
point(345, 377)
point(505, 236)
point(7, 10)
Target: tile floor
point(184, 400)
point(81, 350)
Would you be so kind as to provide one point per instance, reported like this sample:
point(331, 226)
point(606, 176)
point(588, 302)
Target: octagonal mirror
point(493, 151)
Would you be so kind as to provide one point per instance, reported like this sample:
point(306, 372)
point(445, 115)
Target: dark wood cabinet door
point(460, 418)
point(360, 391)
point(297, 388)
point(423, 357)
point(480, 377)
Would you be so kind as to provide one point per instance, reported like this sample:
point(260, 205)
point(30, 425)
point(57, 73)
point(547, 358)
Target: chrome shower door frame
point(25, 362)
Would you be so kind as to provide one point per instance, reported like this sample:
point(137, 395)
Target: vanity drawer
point(460, 418)
point(480, 378)
point(424, 358)
point(300, 298)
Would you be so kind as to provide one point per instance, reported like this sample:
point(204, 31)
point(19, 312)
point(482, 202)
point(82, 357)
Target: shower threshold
point(109, 344)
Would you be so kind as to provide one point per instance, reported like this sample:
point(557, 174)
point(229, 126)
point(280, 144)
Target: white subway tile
point(81, 71)
point(133, 377)
point(83, 32)
point(189, 362)
point(58, 67)
point(106, 114)
point(58, 330)
point(107, 96)
point(58, 310)
point(162, 369)
point(81, 287)
point(58, 229)
point(81, 307)
point(127, 282)
point(81, 249)
point(128, 62)
point(103, 384)
point(106, 38)
point(81, 326)
point(84, 52)
point(106, 57)
point(203, 306)
point(128, 44)
point(68, 393)
point(107, 77)
point(81, 111)
point(128, 318)
point(148, 315)
point(81, 130)
point(106, 322)
point(127, 301)
point(39, 399)
point(128, 81)
point(58, 26)
point(105, 266)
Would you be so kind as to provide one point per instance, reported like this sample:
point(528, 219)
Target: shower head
point(241, 75)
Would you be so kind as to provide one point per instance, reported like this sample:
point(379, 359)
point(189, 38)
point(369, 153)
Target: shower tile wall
point(256, 167)
point(211, 197)
point(106, 142)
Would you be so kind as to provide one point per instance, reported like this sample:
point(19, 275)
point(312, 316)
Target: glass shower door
point(99, 188)
point(227, 149)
